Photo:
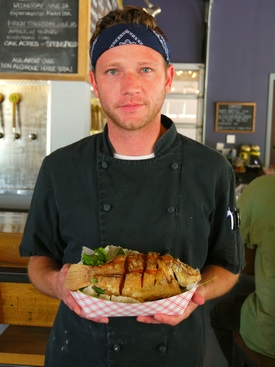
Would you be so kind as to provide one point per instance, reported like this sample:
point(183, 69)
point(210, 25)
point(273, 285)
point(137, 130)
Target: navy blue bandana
point(128, 34)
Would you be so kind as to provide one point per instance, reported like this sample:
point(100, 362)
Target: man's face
point(131, 82)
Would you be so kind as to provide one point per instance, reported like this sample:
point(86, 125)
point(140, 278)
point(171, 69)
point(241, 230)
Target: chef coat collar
point(162, 144)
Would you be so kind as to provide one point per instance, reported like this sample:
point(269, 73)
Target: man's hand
point(63, 293)
point(69, 300)
point(222, 283)
point(49, 278)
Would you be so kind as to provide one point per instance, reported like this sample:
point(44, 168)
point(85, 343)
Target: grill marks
point(146, 277)
point(141, 267)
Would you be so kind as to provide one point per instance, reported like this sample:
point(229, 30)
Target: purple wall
point(241, 54)
point(182, 22)
point(241, 57)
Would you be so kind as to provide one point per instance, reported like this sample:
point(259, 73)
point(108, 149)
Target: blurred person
point(139, 185)
point(253, 315)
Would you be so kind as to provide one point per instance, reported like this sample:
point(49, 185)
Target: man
point(138, 185)
point(253, 315)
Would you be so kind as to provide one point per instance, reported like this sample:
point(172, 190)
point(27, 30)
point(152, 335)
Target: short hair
point(128, 14)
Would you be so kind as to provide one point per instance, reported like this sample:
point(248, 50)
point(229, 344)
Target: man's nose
point(130, 83)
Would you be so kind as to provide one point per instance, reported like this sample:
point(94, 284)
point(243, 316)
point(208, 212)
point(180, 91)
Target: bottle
point(255, 161)
point(255, 150)
point(245, 154)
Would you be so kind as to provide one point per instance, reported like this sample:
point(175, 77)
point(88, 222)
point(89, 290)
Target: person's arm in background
point(245, 206)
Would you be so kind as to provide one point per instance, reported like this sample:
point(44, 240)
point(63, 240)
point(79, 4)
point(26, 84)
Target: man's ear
point(169, 78)
point(93, 82)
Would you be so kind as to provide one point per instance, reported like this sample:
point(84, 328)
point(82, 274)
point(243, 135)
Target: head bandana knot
point(128, 34)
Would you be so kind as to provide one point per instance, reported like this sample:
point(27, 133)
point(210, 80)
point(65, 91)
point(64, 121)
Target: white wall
point(69, 114)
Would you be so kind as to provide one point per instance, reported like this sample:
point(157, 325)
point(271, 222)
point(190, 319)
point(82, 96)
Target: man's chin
point(130, 125)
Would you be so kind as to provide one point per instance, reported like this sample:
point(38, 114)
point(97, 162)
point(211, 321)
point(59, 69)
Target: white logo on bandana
point(135, 39)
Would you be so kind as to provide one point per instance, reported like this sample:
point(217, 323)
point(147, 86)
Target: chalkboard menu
point(39, 36)
point(235, 117)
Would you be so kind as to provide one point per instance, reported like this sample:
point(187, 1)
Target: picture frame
point(235, 117)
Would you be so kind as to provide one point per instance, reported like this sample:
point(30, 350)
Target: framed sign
point(43, 39)
point(238, 117)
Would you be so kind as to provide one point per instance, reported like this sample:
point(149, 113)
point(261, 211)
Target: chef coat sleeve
point(225, 243)
point(41, 234)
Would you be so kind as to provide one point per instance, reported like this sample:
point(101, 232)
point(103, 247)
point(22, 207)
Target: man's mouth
point(131, 107)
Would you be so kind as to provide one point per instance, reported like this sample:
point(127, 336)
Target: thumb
point(197, 299)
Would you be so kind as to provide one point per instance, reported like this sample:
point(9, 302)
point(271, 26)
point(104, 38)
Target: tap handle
point(15, 98)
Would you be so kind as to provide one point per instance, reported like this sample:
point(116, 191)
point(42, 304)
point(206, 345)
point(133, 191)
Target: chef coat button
point(170, 209)
point(106, 207)
point(174, 166)
point(104, 164)
point(116, 347)
point(162, 348)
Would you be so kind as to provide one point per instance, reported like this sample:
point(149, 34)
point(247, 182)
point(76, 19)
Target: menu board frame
point(82, 73)
point(244, 122)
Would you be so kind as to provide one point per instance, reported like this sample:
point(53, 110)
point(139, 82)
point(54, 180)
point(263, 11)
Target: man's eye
point(146, 70)
point(112, 71)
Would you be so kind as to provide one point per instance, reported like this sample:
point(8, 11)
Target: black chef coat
point(173, 203)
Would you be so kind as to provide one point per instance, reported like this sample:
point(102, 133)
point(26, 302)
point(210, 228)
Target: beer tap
point(15, 98)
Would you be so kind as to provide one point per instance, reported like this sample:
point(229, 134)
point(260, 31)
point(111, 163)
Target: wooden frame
point(237, 117)
point(82, 57)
